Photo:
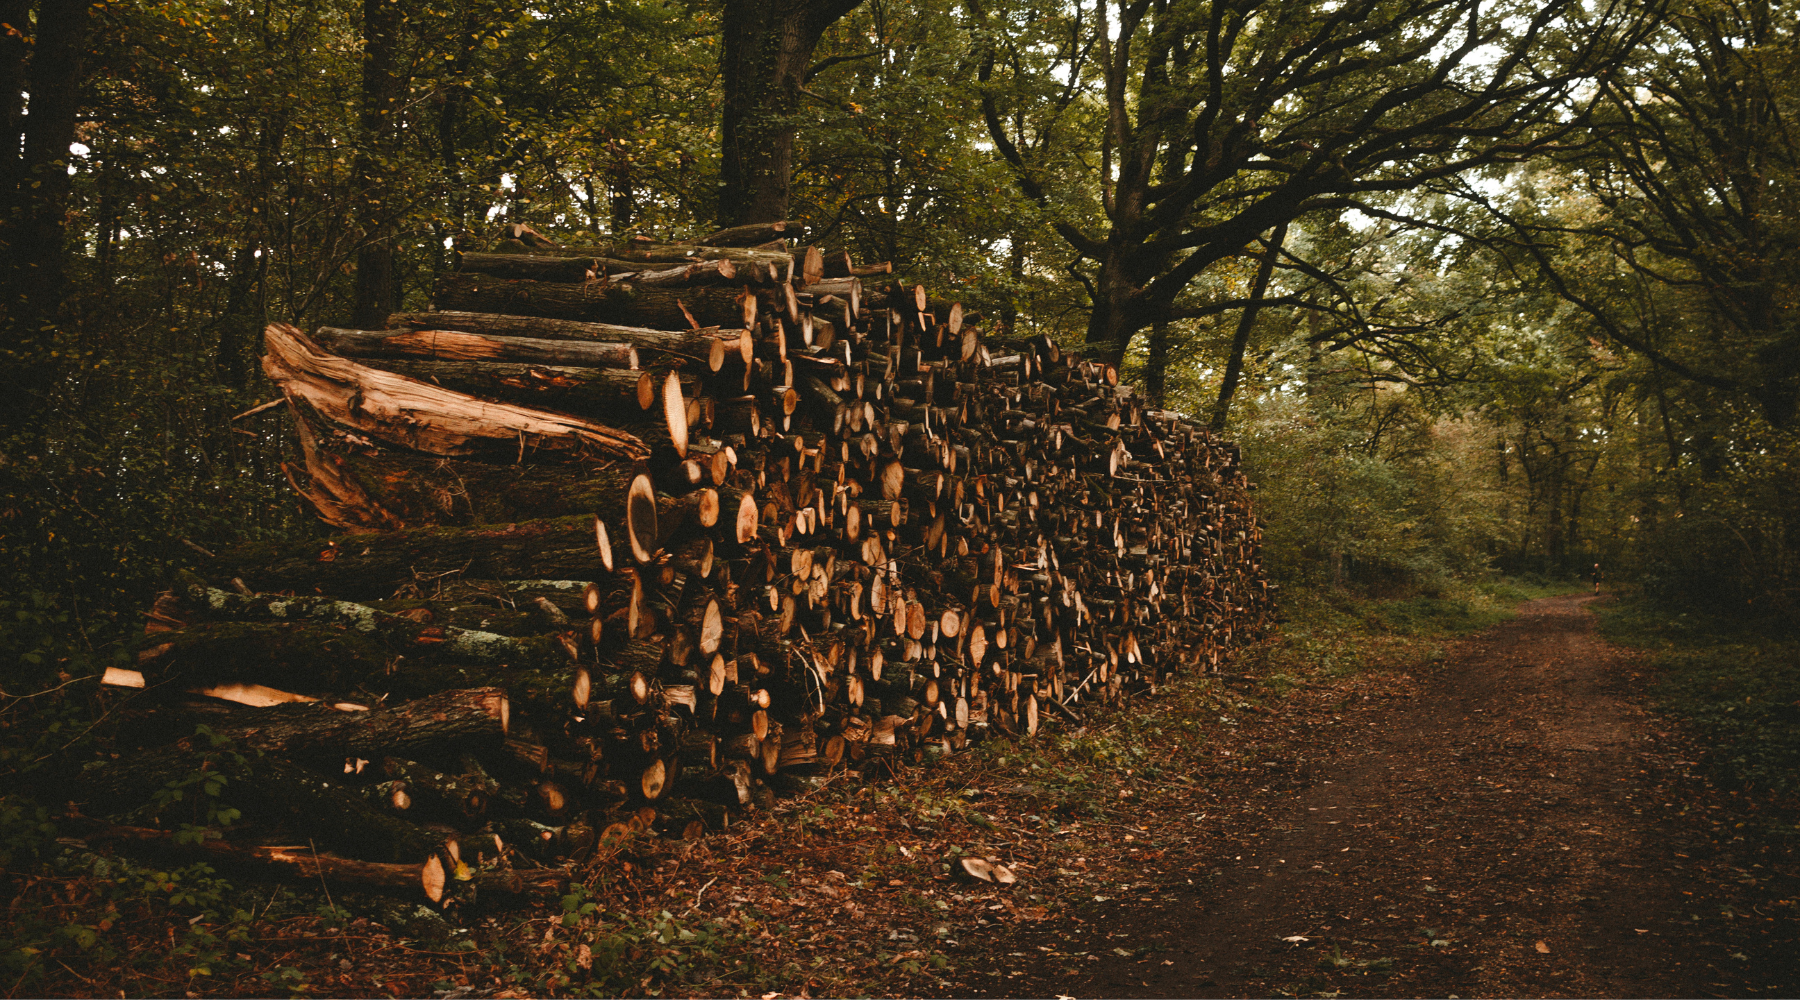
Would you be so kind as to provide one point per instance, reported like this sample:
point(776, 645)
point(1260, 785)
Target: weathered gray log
point(696, 344)
point(459, 345)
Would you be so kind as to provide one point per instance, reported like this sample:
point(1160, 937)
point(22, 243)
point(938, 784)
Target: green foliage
point(1736, 682)
point(208, 920)
point(590, 952)
point(203, 790)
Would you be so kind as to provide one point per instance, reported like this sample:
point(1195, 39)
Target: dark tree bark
point(45, 61)
point(382, 90)
point(768, 46)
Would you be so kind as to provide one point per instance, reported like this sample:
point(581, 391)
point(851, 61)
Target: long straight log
point(375, 565)
point(306, 864)
point(531, 266)
point(665, 308)
point(399, 633)
point(455, 345)
point(267, 788)
point(699, 344)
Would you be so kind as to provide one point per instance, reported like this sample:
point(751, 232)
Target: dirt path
point(1514, 825)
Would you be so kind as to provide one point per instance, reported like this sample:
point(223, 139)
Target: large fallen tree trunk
point(371, 486)
point(428, 418)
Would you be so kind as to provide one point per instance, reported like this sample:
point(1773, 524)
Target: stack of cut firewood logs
point(637, 535)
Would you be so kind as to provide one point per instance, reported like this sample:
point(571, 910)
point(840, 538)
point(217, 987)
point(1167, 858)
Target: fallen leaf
point(1543, 949)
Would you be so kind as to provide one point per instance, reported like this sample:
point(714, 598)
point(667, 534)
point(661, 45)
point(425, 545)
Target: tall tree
point(1223, 119)
point(767, 55)
point(1689, 192)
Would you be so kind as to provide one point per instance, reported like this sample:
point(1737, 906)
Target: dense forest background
point(1479, 286)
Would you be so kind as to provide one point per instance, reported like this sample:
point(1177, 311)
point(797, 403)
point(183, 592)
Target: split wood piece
point(454, 345)
point(988, 871)
point(417, 415)
point(657, 308)
point(704, 344)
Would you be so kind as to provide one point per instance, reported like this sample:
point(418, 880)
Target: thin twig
point(59, 687)
point(253, 411)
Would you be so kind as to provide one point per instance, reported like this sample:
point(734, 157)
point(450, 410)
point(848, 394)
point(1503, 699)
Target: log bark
point(660, 308)
point(356, 484)
point(305, 864)
point(376, 565)
point(455, 345)
point(602, 394)
point(531, 267)
point(682, 342)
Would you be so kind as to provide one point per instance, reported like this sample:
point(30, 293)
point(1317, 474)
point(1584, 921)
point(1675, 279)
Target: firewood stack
point(655, 530)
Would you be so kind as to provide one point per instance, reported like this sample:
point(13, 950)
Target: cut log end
point(653, 780)
point(675, 413)
point(432, 879)
point(605, 546)
point(640, 517)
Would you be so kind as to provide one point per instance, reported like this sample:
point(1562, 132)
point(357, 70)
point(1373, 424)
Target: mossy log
point(396, 634)
point(376, 565)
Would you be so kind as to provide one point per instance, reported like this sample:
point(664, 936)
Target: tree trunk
point(768, 48)
point(34, 183)
point(374, 168)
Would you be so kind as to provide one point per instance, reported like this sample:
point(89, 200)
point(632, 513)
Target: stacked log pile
point(638, 535)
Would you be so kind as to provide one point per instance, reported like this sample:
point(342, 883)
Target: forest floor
point(1510, 823)
point(1501, 815)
